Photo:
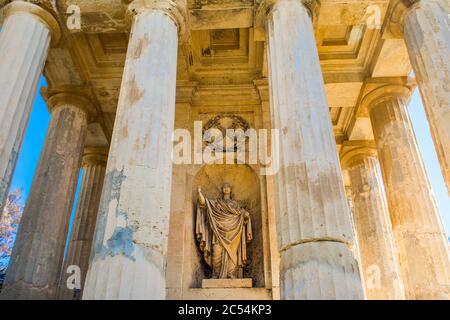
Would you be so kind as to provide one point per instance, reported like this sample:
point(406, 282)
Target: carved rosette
point(224, 122)
point(175, 9)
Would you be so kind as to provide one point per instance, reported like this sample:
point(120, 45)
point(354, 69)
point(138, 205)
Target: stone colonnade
point(402, 243)
point(130, 243)
point(313, 218)
point(419, 235)
point(378, 256)
point(80, 245)
point(427, 37)
point(35, 265)
point(21, 65)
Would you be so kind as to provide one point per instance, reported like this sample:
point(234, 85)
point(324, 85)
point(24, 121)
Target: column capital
point(78, 100)
point(264, 7)
point(356, 156)
point(95, 156)
point(384, 93)
point(399, 9)
point(312, 5)
point(408, 190)
point(175, 9)
point(19, 6)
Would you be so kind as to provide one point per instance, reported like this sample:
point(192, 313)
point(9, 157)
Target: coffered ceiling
point(226, 47)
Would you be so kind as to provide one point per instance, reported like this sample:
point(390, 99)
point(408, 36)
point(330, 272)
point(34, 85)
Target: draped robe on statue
point(223, 229)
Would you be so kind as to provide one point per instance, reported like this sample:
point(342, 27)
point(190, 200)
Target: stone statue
point(223, 229)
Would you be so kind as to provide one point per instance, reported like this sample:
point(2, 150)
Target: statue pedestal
point(227, 283)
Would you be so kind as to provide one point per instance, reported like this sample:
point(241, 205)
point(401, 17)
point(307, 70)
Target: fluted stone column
point(25, 38)
point(313, 219)
point(79, 250)
point(417, 228)
point(377, 252)
point(427, 37)
point(37, 257)
point(130, 242)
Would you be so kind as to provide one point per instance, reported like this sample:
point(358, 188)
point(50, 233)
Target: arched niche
point(246, 189)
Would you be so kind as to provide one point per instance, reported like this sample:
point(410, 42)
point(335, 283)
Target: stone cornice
point(95, 156)
point(75, 99)
point(41, 14)
point(175, 9)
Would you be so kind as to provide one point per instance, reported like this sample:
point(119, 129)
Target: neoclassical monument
point(349, 214)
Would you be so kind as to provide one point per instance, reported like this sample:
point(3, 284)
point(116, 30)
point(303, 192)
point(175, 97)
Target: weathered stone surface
point(378, 256)
point(313, 220)
point(20, 67)
point(227, 283)
point(427, 36)
point(228, 294)
point(270, 190)
point(37, 257)
point(417, 228)
point(80, 244)
point(222, 69)
point(130, 243)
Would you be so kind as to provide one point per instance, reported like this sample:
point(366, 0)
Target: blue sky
point(426, 146)
point(37, 127)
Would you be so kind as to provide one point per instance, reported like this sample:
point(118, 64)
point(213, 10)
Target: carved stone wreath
point(223, 122)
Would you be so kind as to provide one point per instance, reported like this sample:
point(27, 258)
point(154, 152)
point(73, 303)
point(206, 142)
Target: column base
point(22, 290)
point(320, 270)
